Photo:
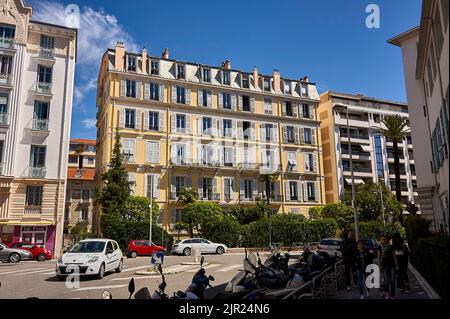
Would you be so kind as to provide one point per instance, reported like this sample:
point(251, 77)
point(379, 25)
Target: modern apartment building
point(80, 184)
point(213, 129)
point(426, 64)
point(372, 152)
point(37, 63)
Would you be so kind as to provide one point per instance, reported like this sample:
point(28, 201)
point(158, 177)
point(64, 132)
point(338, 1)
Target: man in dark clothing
point(387, 262)
point(349, 251)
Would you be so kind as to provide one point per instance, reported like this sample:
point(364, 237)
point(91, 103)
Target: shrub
point(226, 231)
point(374, 229)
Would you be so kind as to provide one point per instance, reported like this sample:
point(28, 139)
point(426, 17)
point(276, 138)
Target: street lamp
point(151, 204)
point(355, 214)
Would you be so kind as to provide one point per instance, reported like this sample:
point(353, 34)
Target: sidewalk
point(418, 291)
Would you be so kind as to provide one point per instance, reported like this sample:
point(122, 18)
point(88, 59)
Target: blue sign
point(158, 258)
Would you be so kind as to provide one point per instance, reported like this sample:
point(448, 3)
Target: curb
point(432, 294)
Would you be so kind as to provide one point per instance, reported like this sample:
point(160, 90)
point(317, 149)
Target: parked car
point(39, 253)
point(13, 255)
point(185, 246)
point(143, 248)
point(91, 257)
point(331, 246)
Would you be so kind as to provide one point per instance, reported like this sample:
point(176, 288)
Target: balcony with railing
point(47, 53)
point(4, 118)
point(209, 197)
point(355, 137)
point(248, 166)
point(8, 43)
point(43, 89)
point(36, 172)
point(40, 126)
point(32, 210)
point(6, 80)
point(357, 170)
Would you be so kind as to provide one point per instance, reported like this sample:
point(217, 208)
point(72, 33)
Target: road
point(37, 279)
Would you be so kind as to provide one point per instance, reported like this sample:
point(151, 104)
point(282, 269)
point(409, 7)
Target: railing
point(356, 136)
point(33, 210)
point(210, 197)
point(47, 53)
point(243, 198)
point(40, 124)
point(276, 198)
point(355, 153)
point(4, 118)
point(248, 166)
point(37, 172)
point(6, 79)
point(43, 88)
point(7, 43)
point(358, 170)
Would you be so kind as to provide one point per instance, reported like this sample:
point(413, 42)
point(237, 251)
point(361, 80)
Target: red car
point(143, 248)
point(39, 253)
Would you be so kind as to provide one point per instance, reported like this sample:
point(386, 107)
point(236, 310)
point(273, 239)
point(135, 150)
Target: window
point(181, 95)
point(248, 189)
point(181, 123)
point(289, 109)
point(268, 107)
point(204, 98)
point(287, 87)
point(130, 118)
point(227, 128)
point(379, 155)
point(304, 90)
point(129, 146)
point(309, 163)
point(7, 34)
point(292, 160)
point(91, 160)
point(131, 63)
point(311, 191)
point(153, 121)
point(90, 148)
point(228, 156)
point(293, 190)
point(175, 216)
point(206, 188)
point(86, 194)
point(154, 91)
point(207, 154)
point(73, 159)
point(37, 159)
point(247, 128)
point(246, 103)
point(306, 112)
point(131, 89)
point(3, 108)
point(44, 74)
point(228, 188)
point(308, 136)
point(152, 151)
point(269, 132)
point(154, 67)
point(266, 84)
point(5, 68)
point(245, 78)
point(290, 134)
point(40, 116)
point(179, 184)
point(207, 125)
point(206, 75)
point(67, 214)
point(226, 100)
point(226, 77)
point(181, 71)
point(34, 195)
point(180, 153)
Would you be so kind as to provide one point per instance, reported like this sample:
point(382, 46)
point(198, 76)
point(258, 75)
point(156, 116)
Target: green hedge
point(374, 229)
point(123, 231)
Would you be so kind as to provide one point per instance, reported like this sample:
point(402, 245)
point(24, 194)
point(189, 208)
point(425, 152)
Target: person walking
point(388, 264)
point(402, 254)
point(363, 259)
point(349, 251)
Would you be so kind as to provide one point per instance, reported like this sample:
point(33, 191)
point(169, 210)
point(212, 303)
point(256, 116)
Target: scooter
point(196, 289)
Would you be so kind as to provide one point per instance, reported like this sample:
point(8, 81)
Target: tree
point(114, 196)
point(341, 213)
point(315, 213)
point(396, 130)
point(247, 215)
point(197, 216)
point(187, 196)
point(138, 209)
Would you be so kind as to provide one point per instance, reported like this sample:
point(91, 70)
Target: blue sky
point(324, 39)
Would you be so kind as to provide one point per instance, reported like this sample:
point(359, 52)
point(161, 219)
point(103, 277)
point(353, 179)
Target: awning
point(366, 148)
point(357, 181)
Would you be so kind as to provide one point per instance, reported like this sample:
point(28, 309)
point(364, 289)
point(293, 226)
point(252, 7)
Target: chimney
point(306, 79)
point(165, 54)
point(256, 78)
point(226, 65)
point(144, 61)
point(120, 56)
point(276, 81)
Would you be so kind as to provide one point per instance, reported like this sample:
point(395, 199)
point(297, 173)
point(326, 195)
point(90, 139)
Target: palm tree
point(396, 129)
point(187, 196)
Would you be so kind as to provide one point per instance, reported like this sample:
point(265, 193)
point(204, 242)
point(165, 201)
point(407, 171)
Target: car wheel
point(187, 252)
point(60, 278)
point(14, 258)
point(120, 267)
point(41, 257)
point(101, 272)
point(133, 254)
point(220, 250)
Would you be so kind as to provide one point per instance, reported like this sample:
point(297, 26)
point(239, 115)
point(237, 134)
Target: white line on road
point(100, 287)
point(23, 270)
point(206, 268)
point(30, 272)
point(136, 268)
point(229, 268)
point(48, 273)
point(136, 278)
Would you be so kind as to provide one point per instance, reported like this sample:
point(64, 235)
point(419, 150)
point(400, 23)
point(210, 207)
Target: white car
point(185, 246)
point(91, 257)
point(331, 246)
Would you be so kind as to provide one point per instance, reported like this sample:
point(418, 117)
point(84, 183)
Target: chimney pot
point(165, 54)
point(226, 65)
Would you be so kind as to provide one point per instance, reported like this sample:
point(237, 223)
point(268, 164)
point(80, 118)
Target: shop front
point(41, 235)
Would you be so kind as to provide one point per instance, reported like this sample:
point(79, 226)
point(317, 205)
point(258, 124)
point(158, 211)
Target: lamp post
point(151, 207)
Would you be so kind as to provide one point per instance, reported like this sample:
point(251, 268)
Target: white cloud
point(84, 88)
point(89, 123)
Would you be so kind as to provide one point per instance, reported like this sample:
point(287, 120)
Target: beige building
point(37, 65)
point(80, 184)
point(426, 64)
point(372, 153)
point(213, 129)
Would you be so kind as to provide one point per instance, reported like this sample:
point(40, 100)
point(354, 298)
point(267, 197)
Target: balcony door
point(37, 159)
point(41, 113)
point(44, 74)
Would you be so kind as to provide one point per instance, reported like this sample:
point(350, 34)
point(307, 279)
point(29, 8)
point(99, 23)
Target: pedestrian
point(388, 264)
point(349, 251)
point(402, 254)
point(363, 259)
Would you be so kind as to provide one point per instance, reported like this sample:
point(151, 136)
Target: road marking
point(135, 278)
point(49, 273)
point(23, 270)
point(229, 268)
point(100, 287)
point(177, 268)
point(136, 268)
point(30, 272)
point(206, 268)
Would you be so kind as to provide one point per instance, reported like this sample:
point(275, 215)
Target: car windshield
point(88, 247)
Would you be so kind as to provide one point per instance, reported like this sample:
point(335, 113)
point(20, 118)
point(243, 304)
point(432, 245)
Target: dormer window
point(206, 75)
point(245, 81)
point(154, 67)
point(226, 77)
point(131, 63)
point(266, 84)
point(287, 85)
point(304, 90)
point(181, 71)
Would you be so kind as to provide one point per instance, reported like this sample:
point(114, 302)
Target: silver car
point(13, 255)
point(184, 247)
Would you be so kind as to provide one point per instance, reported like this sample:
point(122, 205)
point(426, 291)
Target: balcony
point(354, 121)
point(356, 155)
point(37, 172)
point(245, 199)
point(210, 197)
point(276, 198)
point(39, 126)
point(32, 210)
point(6, 80)
point(4, 117)
point(358, 171)
point(355, 138)
point(248, 167)
point(8, 43)
point(43, 90)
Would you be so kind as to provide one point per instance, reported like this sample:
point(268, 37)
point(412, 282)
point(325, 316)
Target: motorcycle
point(196, 289)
